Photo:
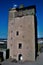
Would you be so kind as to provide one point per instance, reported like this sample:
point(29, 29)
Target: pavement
point(39, 61)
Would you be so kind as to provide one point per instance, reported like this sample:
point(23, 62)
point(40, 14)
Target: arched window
point(20, 57)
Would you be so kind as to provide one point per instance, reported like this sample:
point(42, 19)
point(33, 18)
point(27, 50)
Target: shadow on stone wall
point(36, 40)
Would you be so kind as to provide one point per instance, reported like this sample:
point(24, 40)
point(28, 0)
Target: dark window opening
point(17, 33)
point(20, 25)
point(12, 23)
point(11, 31)
point(20, 45)
point(20, 57)
point(11, 44)
point(11, 38)
point(23, 36)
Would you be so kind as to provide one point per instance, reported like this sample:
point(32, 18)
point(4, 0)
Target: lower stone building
point(4, 52)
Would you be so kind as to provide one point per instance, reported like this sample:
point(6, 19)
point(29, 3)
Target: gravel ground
point(39, 61)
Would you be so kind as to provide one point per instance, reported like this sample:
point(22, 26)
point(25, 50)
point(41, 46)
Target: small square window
point(11, 38)
point(20, 25)
point(11, 31)
point(20, 45)
point(12, 23)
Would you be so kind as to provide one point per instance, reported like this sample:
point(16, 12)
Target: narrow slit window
point(17, 33)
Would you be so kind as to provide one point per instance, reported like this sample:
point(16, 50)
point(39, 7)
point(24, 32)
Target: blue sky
point(5, 5)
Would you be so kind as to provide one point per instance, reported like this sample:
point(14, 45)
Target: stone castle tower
point(21, 33)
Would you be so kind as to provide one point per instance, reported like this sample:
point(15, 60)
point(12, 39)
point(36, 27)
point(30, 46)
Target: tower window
point(20, 25)
point(11, 38)
point(20, 45)
point(12, 23)
point(17, 33)
point(20, 57)
point(11, 31)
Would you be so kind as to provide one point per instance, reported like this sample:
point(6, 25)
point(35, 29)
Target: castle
point(21, 33)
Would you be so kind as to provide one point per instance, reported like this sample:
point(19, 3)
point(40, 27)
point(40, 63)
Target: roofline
point(29, 7)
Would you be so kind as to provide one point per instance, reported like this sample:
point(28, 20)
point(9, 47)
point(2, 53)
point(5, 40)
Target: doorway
point(20, 57)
